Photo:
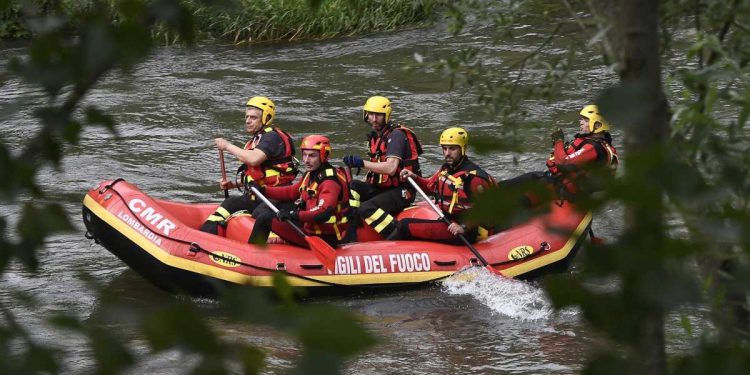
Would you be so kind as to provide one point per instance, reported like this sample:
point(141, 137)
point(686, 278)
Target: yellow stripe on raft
point(240, 278)
point(550, 258)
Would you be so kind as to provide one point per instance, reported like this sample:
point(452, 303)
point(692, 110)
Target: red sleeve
point(328, 196)
point(429, 185)
point(584, 155)
point(425, 184)
point(283, 193)
point(478, 184)
point(559, 151)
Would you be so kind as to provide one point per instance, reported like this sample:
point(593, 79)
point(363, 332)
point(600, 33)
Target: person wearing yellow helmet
point(453, 187)
point(267, 159)
point(392, 148)
point(323, 196)
point(571, 163)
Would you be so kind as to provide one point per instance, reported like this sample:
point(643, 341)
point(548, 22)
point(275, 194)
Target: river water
point(169, 109)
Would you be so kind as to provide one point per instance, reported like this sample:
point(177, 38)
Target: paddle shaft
point(223, 172)
point(445, 219)
point(276, 210)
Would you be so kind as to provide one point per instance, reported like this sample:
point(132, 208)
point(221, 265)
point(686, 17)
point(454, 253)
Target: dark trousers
point(229, 206)
point(526, 184)
point(377, 207)
point(527, 179)
point(430, 230)
point(266, 221)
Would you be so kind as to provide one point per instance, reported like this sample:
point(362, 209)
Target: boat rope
point(195, 247)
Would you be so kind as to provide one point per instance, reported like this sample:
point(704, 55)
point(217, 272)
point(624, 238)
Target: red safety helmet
point(317, 142)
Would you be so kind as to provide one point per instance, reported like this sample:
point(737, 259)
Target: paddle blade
point(322, 250)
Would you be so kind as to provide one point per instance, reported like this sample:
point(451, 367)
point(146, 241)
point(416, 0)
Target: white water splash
point(513, 298)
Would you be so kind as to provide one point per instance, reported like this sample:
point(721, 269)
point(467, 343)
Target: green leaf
point(179, 324)
point(111, 355)
point(94, 116)
point(41, 359)
point(328, 329)
point(36, 224)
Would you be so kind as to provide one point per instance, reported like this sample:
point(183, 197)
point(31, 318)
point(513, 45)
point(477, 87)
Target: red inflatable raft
point(159, 239)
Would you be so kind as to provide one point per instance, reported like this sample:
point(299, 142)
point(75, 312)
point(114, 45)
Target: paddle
point(223, 172)
point(322, 250)
point(460, 236)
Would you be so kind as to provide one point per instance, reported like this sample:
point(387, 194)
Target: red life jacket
point(378, 146)
point(606, 156)
point(273, 172)
point(606, 153)
point(308, 189)
point(452, 190)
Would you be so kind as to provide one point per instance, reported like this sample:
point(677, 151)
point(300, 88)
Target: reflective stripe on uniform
point(223, 212)
point(215, 218)
point(354, 198)
point(375, 216)
point(482, 233)
point(387, 220)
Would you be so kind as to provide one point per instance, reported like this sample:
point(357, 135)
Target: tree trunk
point(646, 133)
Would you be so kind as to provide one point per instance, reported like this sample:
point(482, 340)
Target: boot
point(350, 236)
point(210, 227)
point(394, 236)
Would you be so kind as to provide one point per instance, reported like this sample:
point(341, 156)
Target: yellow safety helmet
point(377, 104)
point(591, 113)
point(455, 136)
point(266, 106)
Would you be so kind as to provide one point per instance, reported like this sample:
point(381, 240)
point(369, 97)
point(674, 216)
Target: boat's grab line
point(196, 248)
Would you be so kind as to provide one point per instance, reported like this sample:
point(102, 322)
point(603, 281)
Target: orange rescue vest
point(308, 189)
point(452, 190)
point(272, 172)
point(378, 146)
point(606, 157)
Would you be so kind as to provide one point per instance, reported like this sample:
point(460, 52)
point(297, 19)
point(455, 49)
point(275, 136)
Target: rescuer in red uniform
point(570, 165)
point(321, 200)
point(392, 148)
point(452, 187)
point(268, 160)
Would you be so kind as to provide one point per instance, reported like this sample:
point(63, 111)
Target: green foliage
point(505, 86)
point(686, 180)
point(65, 69)
point(253, 21)
point(242, 21)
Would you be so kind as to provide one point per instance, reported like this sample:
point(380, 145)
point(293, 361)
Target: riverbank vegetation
point(684, 186)
point(255, 21)
point(237, 21)
point(687, 159)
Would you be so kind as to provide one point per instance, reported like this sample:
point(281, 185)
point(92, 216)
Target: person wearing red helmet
point(268, 159)
point(322, 195)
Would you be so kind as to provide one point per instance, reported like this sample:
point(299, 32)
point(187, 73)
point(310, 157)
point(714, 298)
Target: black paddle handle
point(445, 219)
point(276, 210)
